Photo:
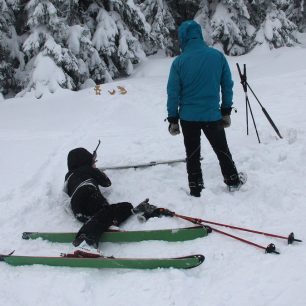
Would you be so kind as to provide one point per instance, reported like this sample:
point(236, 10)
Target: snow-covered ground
point(36, 136)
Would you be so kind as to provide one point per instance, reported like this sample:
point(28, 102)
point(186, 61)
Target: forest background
point(76, 44)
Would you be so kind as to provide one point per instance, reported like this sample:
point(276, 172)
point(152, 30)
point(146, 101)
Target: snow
point(36, 136)
point(73, 41)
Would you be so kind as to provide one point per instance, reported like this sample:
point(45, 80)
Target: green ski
point(176, 234)
point(185, 262)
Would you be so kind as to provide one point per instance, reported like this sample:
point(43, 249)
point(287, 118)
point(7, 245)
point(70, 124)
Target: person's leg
point(216, 136)
point(192, 141)
point(86, 202)
point(92, 230)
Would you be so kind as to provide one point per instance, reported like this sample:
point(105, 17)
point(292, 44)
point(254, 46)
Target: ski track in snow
point(38, 134)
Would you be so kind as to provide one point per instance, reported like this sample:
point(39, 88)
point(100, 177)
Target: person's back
point(201, 71)
point(81, 172)
point(194, 83)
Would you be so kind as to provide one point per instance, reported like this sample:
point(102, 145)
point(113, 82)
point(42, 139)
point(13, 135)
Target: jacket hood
point(79, 157)
point(189, 30)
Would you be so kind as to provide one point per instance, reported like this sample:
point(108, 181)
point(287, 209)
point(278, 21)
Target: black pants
point(215, 134)
point(89, 206)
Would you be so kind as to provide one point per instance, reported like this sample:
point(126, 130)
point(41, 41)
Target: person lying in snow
point(89, 205)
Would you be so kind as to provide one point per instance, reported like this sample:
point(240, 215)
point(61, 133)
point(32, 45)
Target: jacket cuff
point(172, 120)
point(226, 111)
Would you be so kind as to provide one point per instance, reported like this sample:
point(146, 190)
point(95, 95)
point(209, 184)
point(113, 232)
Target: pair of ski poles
point(269, 249)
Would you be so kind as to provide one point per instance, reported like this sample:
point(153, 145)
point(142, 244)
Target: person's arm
point(101, 178)
point(226, 88)
point(173, 91)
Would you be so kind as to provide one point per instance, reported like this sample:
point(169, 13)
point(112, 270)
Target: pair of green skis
point(68, 260)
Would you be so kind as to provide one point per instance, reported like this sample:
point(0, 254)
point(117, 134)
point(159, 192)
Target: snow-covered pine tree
point(119, 33)
point(163, 27)
point(79, 40)
point(184, 9)
point(129, 50)
point(10, 56)
point(203, 18)
point(68, 42)
point(49, 65)
point(231, 27)
point(133, 34)
point(277, 30)
point(296, 12)
point(105, 34)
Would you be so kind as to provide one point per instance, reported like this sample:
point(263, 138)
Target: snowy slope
point(36, 136)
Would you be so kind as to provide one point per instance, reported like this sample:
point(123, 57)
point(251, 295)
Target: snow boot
point(196, 184)
point(144, 207)
point(242, 178)
point(86, 250)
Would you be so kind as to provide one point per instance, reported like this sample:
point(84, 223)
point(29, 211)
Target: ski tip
point(200, 258)
point(208, 228)
point(2, 257)
point(26, 235)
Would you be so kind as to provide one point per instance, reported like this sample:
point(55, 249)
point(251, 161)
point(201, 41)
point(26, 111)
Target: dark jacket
point(81, 173)
point(196, 77)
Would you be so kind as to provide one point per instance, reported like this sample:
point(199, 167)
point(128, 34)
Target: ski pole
point(245, 86)
point(94, 153)
point(95, 150)
point(266, 113)
point(269, 249)
point(290, 237)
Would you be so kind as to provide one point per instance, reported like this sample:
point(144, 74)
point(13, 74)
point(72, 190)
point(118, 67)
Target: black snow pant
point(215, 134)
point(90, 207)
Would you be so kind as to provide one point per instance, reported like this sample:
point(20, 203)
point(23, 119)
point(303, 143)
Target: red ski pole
point(290, 238)
point(269, 249)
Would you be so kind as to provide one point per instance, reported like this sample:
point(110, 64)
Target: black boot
point(196, 184)
point(83, 237)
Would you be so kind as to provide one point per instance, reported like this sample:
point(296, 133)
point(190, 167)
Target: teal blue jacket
point(196, 77)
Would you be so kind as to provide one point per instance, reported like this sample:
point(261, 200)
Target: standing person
point(89, 205)
point(194, 83)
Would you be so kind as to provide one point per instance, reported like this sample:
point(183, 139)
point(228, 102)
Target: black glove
point(226, 120)
point(226, 116)
point(174, 128)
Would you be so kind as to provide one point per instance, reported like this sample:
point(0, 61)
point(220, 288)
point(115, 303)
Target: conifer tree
point(163, 27)
point(43, 48)
point(296, 12)
point(10, 55)
point(231, 27)
point(59, 43)
point(277, 29)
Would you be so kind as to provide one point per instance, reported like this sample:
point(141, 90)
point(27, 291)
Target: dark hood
point(189, 30)
point(79, 157)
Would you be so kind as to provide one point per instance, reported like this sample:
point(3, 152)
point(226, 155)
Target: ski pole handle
point(243, 77)
point(95, 150)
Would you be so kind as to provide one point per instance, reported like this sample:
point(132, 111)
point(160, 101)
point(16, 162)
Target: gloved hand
point(174, 128)
point(226, 120)
point(226, 116)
